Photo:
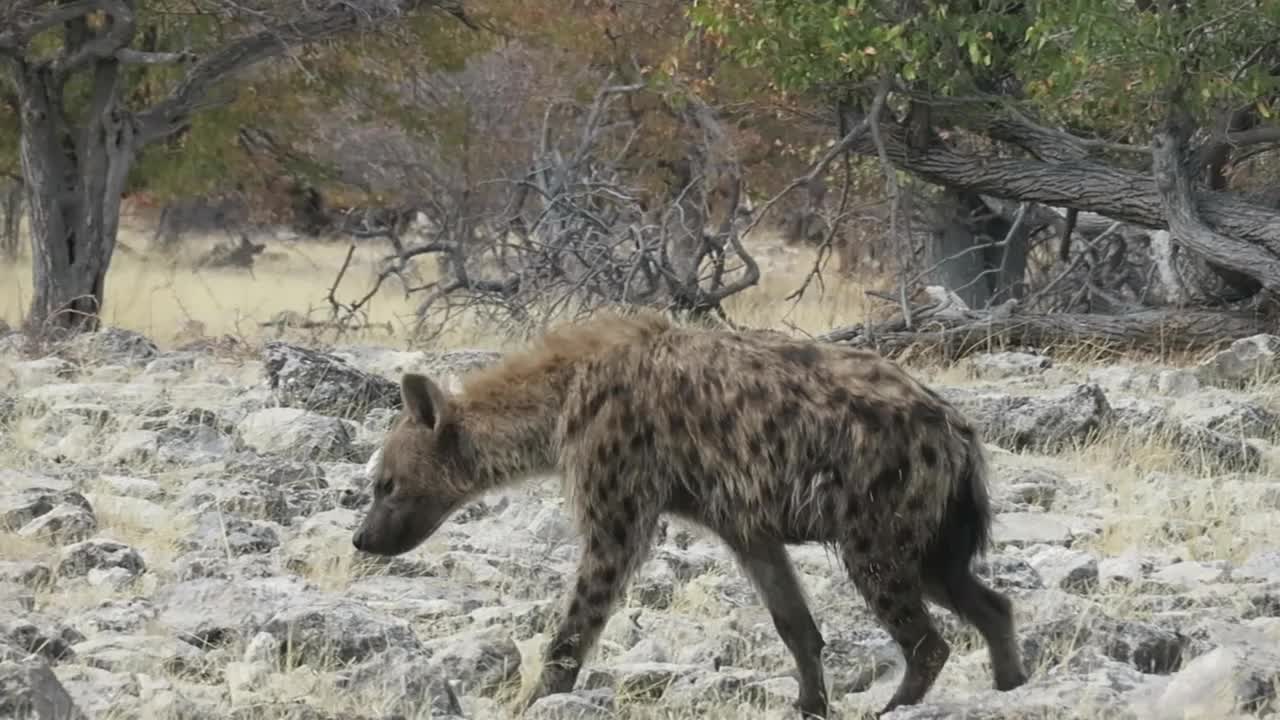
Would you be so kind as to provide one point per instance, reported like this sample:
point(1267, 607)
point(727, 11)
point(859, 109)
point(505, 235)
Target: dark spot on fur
point(874, 375)
point(582, 588)
point(839, 397)
point(771, 429)
point(930, 457)
point(862, 545)
point(629, 510)
point(675, 423)
point(885, 482)
point(598, 599)
point(595, 404)
point(608, 575)
point(574, 425)
point(711, 381)
point(754, 445)
point(755, 364)
point(802, 355)
point(898, 586)
point(915, 504)
point(865, 414)
point(925, 415)
point(884, 603)
point(904, 537)
point(788, 412)
point(604, 459)
point(684, 386)
point(757, 393)
point(707, 424)
point(619, 531)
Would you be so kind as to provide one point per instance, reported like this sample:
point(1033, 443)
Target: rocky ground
point(175, 543)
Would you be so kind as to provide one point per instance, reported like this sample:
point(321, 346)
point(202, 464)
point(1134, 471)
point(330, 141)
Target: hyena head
point(422, 476)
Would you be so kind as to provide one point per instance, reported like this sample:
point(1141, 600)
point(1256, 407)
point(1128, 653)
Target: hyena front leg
point(769, 568)
point(615, 543)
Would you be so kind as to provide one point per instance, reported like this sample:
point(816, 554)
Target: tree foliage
point(1048, 102)
point(1101, 64)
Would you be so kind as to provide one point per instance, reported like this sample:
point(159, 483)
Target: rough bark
point(1170, 156)
point(11, 218)
point(1150, 330)
point(75, 178)
point(75, 168)
point(1082, 184)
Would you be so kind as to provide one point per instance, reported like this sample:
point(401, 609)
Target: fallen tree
point(953, 333)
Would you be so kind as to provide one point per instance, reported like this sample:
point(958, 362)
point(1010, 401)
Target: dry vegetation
point(1135, 489)
point(169, 299)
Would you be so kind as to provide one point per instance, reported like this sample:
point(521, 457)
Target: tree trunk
point(963, 251)
point(75, 179)
point(1081, 184)
point(12, 219)
point(958, 265)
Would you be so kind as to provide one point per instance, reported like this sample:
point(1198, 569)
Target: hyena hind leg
point(612, 549)
point(766, 564)
point(991, 613)
point(894, 592)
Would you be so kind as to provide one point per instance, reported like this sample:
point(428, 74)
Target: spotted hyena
point(763, 439)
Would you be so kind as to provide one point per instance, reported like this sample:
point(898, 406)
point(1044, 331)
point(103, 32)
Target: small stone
point(1261, 566)
point(323, 631)
point(262, 648)
point(1070, 570)
point(636, 680)
point(1221, 683)
point(123, 485)
point(477, 661)
point(581, 705)
point(1247, 359)
point(125, 653)
point(114, 578)
point(1176, 383)
point(296, 433)
point(79, 559)
point(1020, 529)
point(132, 447)
point(62, 525)
point(243, 678)
point(29, 690)
point(230, 533)
point(1122, 570)
point(1190, 575)
point(998, 366)
point(29, 574)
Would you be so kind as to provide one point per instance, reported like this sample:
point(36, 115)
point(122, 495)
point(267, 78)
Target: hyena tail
point(964, 531)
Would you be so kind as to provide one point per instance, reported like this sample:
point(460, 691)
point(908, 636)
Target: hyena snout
point(396, 528)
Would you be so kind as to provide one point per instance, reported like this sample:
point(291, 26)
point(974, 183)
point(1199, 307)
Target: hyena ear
point(424, 400)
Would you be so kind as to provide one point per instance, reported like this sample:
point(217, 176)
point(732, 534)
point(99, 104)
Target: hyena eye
point(384, 486)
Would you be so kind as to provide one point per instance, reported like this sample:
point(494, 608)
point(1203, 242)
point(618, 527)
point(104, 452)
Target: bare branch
point(1173, 182)
point(138, 57)
point(102, 45)
point(169, 115)
point(23, 31)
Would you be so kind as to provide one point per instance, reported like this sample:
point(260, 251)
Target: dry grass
point(169, 300)
point(1148, 496)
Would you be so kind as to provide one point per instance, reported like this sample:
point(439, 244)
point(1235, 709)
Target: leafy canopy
point(1102, 63)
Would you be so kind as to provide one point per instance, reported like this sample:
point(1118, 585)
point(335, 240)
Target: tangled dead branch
point(580, 231)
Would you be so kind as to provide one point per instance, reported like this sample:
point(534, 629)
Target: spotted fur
point(764, 439)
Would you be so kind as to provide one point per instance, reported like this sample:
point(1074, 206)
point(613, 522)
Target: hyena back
point(763, 439)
